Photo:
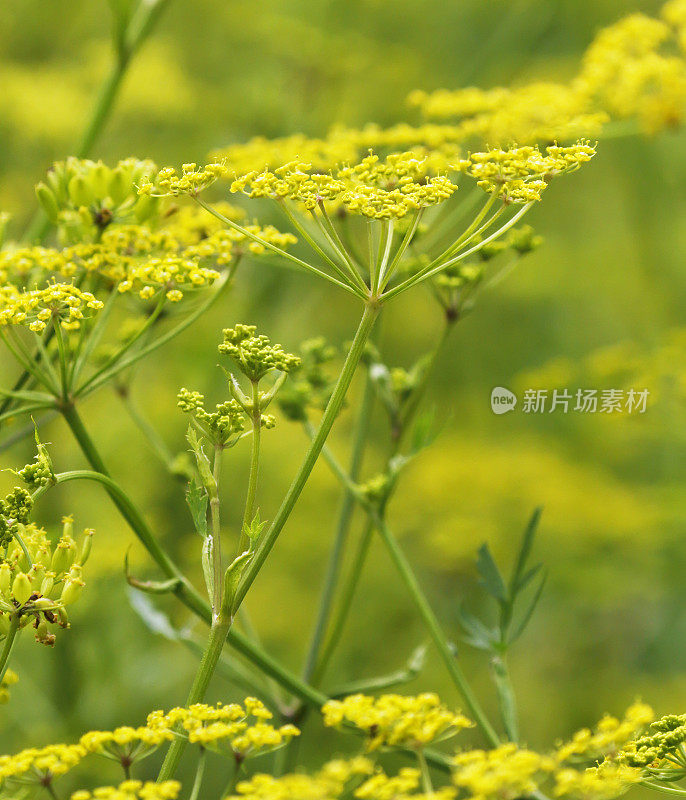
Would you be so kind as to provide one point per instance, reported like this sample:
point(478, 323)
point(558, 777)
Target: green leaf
point(526, 618)
point(233, 575)
point(478, 634)
point(204, 468)
point(491, 579)
point(518, 580)
point(197, 500)
point(254, 530)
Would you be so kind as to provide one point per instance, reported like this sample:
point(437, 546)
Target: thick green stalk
point(215, 644)
point(434, 628)
point(333, 407)
point(342, 530)
point(10, 639)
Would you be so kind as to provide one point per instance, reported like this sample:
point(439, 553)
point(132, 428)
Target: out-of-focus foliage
point(599, 304)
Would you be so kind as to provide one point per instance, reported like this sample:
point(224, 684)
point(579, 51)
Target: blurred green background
point(598, 305)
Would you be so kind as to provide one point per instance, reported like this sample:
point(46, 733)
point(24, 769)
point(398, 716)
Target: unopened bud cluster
point(38, 580)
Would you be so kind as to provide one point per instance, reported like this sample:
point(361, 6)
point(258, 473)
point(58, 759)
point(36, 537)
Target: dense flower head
point(631, 70)
point(225, 422)
point(396, 720)
point(254, 354)
point(57, 302)
point(191, 181)
point(39, 579)
point(608, 737)
point(664, 737)
point(88, 196)
point(521, 174)
point(328, 783)
point(125, 740)
point(535, 112)
point(132, 790)
point(38, 764)
point(505, 773)
point(244, 729)
point(627, 71)
point(603, 782)
point(374, 188)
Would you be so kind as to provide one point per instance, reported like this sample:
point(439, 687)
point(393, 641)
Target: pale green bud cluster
point(15, 510)
point(310, 385)
point(38, 580)
point(83, 194)
point(663, 740)
point(223, 425)
point(254, 355)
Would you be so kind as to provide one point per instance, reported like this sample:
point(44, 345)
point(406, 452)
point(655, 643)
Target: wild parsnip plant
point(136, 254)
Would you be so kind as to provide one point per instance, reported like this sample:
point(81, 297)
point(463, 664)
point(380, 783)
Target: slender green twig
point(10, 639)
point(331, 412)
point(342, 530)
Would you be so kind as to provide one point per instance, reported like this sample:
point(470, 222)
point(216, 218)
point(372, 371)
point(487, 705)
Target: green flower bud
point(100, 179)
point(21, 588)
point(63, 557)
point(5, 579)
point(48, 584)
point(120, 186)
point(80, 191)
point(87, 546)
point(72, 591)
point(36, 576)
point(46, 197)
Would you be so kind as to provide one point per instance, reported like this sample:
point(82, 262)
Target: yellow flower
point(396, 720)
point(504, 773)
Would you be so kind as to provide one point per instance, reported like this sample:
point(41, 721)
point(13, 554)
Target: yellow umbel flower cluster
point(243, 729)
point(521, 174)
point(632, 70)
point(132, 790)
point(396, 720)
point(191, 181)
point(41, 764)
point(330, 782)
point(61, 302)
point(125, 741)
point(603, 782)
point(373, 188)
point(505, 773)
point(38, 580)
point(608, 737)
point(402, 786)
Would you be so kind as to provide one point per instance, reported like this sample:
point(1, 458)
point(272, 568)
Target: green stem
point(506, 697)
point(215, 644)
point(249, 513)
point(333, 407)
point(345, 516)
point(217, 569)
point(427, 785)
point(345, 603)
point(10, 639)
point(199, 774)
point(434, 627)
